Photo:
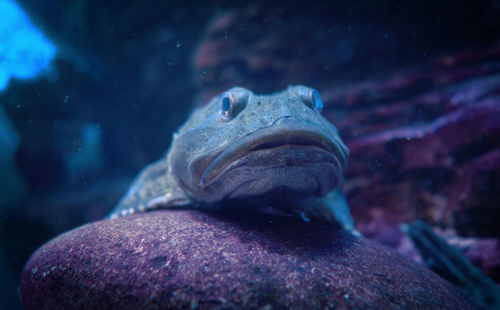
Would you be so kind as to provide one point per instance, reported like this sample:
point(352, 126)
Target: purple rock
point(474, 200)
point(181, 259)
point(408, 173)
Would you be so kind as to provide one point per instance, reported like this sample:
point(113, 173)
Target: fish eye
point(232, 102)
point(225, 106)
point(316, 101)
point(309, 97)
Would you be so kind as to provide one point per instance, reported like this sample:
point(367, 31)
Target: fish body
point(249, 151)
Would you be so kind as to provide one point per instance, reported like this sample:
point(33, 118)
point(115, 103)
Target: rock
point(474, 201)
point(181, 259)
point(419, 165)
point(442, 169)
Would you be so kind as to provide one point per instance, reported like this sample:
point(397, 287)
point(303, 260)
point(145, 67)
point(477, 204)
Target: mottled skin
point(252, 151)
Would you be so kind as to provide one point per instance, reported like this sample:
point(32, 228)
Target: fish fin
point(331, 209)
point(153, 188)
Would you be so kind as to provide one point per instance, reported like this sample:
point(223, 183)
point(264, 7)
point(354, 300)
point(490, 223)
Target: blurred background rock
point(413, 88)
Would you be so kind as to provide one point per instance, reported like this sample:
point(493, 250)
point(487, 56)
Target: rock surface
point(471, 203)
point(190, 259)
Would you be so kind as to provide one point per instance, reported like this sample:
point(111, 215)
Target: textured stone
point(410, 172)
point(181, 259)
point(474, 199)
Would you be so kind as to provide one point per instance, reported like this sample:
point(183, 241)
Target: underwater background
point(91, 91)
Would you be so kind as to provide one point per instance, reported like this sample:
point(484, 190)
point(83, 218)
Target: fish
point(243, 150)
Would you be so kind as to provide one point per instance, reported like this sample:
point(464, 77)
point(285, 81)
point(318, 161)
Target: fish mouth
point(288, 139)
point(286, 133)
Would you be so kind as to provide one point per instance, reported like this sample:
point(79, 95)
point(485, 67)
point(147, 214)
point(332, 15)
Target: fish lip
point(289, 132)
